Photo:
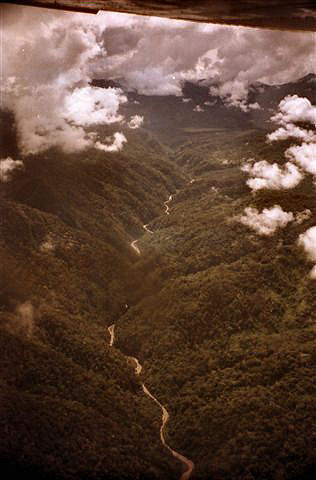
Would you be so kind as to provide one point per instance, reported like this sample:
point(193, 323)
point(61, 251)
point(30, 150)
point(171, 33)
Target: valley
point(217, 321)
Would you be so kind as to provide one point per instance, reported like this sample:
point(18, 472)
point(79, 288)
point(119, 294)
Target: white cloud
point(52, 56)
point(266, 175)
point(210, 104)
point(312, 273)
point(115, 146)
point(307, 241)
point(292, 131)
point(49, 116)
point(7, 166)
point(25, 318)
point(92, 105)
point(235, 94)
point(293, 109)
point(47, 70)
point(186, 100)
point(304, 155)
point(267, 222)
point(198, 108)
point(302, 216)
point(136, 121)
point(228, 59)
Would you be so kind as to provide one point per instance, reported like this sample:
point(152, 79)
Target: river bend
point(188, 464)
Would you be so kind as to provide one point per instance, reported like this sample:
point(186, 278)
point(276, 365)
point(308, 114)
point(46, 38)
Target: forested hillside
point(70, 406)
point(222, 319)
point(232, 355)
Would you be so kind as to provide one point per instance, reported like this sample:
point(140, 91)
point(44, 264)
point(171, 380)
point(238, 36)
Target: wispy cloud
point(7, 167)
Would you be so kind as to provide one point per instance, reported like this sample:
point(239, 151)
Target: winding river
point(135, 247)
point(166, 204)
point(187, 464)
point(145, 227)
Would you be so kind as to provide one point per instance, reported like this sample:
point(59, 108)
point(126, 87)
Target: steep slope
point(70, 406)
point(228, 342)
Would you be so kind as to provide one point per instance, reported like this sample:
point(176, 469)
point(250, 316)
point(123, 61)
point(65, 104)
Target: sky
point(50, 57)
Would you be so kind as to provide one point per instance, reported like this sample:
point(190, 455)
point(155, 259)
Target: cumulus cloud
point(92, 105)
point(198, 108)
point(117, 144)
point(307, 241)
point(312, 273)
point(302, 216)
point(47, 81)
point(292, 131)
point(266, 175)
point(136, 121)
point(7, 166)
point(227, 59)
point(293, 109)
point(303, 155)
point(51, 117)
point(51, 58)
point(297, 110)
point(266, 222)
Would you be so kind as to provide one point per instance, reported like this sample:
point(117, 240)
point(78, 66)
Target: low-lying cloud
point(23, 320)
point(307, 241)
point(294, 109)
point(292, 131)
point(47, 81)
point(198, 108)
point(302, 216)
point(267, 175)
point(93, 106)
point(266, 222)
point(49, 116)
point(302, 158)
point(303, 155)
point(136, 121)
point(7, 167)
point(117, 144)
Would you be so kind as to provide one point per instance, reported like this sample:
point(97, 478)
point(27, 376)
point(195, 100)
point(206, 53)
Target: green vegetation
point(222, 320)
point(232, 353)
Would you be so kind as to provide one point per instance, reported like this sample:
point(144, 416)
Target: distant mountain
point(197, 107)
